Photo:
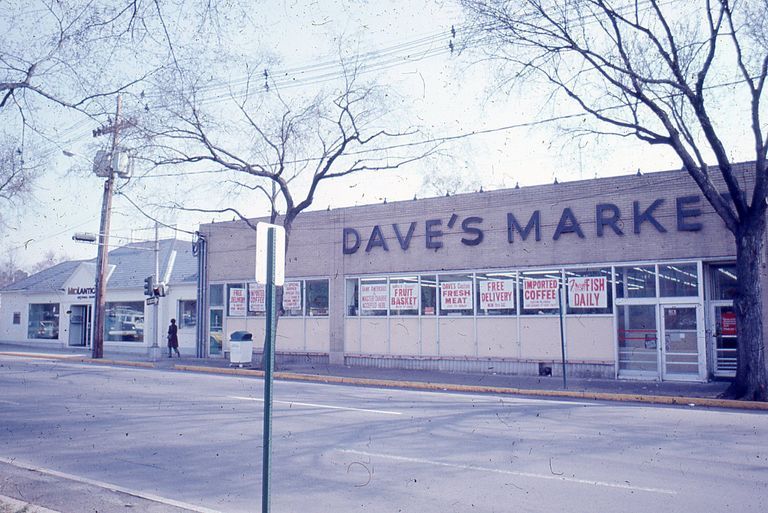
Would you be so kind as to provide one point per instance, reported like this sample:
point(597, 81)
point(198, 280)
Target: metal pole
point(562, 333)
point(269, 363)
point(155, 349)
point(102, 254)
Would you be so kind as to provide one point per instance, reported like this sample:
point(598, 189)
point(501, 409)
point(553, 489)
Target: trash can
point(240, 347)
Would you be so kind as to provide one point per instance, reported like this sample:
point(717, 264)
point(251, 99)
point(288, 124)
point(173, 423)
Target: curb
point(80, 359)
point(418, 385)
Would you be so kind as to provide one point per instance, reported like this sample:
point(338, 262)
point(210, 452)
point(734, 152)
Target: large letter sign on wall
point(456, 295)
point(591, 292)
point(237, 302)
point(540, 293)
point(292, 295)
point(373, 296)
point(497, 294)
point(404, 296)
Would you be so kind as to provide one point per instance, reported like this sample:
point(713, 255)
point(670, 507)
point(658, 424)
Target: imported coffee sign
point(540, 293)
point(588, 292)
point(456, 295)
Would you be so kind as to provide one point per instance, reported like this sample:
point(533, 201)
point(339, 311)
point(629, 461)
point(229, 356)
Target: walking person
point(173, 339)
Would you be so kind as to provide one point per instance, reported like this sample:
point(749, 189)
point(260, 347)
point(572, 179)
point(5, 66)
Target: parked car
point(47, 329)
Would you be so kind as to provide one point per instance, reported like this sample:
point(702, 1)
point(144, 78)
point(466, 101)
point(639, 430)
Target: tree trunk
point(751, 380)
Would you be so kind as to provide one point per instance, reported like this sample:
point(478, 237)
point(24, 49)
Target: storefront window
point(539, 292)
point(257, 298)
point(293, 294)
point(236, 300)
point(187, 313)
point(428, 295)
point(317, 298)
point(495, 293)
point(43, 321)
point(352, 301)
point(216, 296)
point(635, 282)
point(724, 282)
point(17, 318)
point(456, 294)
point(124, 321)
point(217, 328)
point(589, 291)
point(678, 280)
point(374, 296)
point(404, 295)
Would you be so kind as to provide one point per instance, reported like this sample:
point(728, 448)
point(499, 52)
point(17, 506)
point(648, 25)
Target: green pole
point(269, 363)
point(560, 289)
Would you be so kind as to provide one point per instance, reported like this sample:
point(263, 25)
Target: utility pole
point(102, 255)
point(154, 351)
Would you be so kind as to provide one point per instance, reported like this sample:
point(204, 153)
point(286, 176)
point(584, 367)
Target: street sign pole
point(269, 362)
point(560, 291)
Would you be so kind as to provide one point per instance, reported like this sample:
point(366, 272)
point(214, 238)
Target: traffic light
point(160, 289)
point(149, 286)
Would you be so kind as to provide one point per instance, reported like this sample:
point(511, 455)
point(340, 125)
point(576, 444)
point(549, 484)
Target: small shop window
point(257, 299)
point(187, 313)
point(724, 282)
point(404, 295)
point(495, 293)
point(217, 328)
point(43, 321)
point(124, 321)
point(317, 298)
point(539, 292)
point(216, 296)
point(636, 282)
point(678, 280)
point(293, 294)
point(428, 286)
point(352, 300)
point(456, 295)
point(17, 318)
point(237, 301)
point(589, 291)
point(374, 296)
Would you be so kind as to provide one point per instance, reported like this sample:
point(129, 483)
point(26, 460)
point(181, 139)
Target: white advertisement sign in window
point(456, 295)
point(373, 296)
point(540, 293)
point(497, 294)
point(257, 294)
point(404, 296)
point(292, 295)
point(588, 292)
point(237, 302)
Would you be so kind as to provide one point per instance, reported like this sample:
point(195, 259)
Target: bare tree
point(657, 71)
point(279, 150)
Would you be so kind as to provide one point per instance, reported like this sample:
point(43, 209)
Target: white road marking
point(107, 486)
point(13, 403)
point(311, 405)
point(509, 472)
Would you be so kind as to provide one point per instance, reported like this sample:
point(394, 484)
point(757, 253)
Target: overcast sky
point(444, 93)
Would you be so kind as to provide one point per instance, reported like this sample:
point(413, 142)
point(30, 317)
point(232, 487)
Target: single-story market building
point(54, 308)
point(471, 282)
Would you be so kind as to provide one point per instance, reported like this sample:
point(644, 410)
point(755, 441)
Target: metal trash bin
point(240, 347)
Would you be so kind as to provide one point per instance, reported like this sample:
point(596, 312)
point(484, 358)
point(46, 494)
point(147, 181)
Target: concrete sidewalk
point(688, 393)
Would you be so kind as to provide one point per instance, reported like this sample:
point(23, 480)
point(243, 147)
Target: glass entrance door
point(725, 339)
point(680, 347)
point(638, 341)
point(80, 326)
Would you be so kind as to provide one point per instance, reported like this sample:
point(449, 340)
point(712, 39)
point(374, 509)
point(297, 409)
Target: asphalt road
point(107, 439)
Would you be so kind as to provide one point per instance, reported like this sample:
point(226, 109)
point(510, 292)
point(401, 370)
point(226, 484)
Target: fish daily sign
point(588, 292)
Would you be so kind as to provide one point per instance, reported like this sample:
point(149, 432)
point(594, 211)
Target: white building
point(54, 308)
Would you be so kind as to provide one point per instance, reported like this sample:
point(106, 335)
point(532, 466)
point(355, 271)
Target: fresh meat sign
point(456, 295)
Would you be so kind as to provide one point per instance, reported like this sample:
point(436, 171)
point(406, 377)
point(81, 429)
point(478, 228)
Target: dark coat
point(173, 338)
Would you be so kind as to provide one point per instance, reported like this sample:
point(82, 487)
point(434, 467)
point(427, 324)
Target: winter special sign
point(456, 295)
point(373, 296)
point(540, 293)
point(497, 294)
point(292, 295)
point(403, 296)
point(588, 292)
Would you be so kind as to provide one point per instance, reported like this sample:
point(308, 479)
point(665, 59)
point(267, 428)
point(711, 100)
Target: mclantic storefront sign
point(608, 218)
point(82, 292)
